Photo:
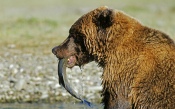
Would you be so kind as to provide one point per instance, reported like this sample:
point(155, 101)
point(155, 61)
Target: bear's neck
point(119, 70)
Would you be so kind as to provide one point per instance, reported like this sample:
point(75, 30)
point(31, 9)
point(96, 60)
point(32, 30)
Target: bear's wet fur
point(138, 62)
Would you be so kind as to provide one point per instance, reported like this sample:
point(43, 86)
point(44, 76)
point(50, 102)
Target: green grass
point(33, 24)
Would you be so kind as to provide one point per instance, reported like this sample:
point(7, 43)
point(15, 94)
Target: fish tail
point(89, 104)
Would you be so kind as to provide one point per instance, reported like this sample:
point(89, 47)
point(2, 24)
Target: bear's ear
point(104, 19)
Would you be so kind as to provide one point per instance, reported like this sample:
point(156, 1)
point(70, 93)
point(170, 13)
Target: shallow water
point(48, 106)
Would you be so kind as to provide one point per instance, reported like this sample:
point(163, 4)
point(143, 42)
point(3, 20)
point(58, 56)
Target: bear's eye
point(78, 40)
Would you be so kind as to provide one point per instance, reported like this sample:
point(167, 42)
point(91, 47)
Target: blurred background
point(29, 29)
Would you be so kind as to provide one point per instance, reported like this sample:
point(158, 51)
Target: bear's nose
point(54, 50)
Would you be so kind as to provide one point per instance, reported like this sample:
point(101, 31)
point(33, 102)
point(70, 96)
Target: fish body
point(64, 81)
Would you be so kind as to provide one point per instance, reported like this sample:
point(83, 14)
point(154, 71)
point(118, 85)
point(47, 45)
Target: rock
point(27, 77)
point(20, 84)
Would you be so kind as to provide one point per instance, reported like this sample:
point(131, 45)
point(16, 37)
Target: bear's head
point(93, 35)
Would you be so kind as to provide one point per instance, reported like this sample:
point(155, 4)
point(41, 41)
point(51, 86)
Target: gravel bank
point(29, 77)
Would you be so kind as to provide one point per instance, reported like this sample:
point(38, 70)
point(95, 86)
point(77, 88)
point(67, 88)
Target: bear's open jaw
point(71, 61)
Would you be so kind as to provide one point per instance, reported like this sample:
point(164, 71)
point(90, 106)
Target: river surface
point(48, 106)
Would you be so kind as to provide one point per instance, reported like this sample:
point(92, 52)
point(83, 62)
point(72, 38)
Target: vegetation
point(43, 24)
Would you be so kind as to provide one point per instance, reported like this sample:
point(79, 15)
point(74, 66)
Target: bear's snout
point(59, 52)
point(54, 50)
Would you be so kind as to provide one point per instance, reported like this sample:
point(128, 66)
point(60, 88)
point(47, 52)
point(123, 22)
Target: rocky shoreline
point(29, 77)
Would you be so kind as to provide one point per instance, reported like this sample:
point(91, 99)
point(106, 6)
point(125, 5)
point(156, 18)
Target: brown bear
point(138, 62)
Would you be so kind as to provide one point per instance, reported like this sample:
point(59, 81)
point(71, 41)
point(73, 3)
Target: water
point(48, 106)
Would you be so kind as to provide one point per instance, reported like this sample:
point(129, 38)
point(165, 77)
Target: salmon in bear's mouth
point(71, 61)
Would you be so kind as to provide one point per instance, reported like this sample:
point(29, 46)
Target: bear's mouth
point(71, 61)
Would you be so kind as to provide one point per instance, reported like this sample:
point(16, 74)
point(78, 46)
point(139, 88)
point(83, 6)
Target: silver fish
point(64, 81)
